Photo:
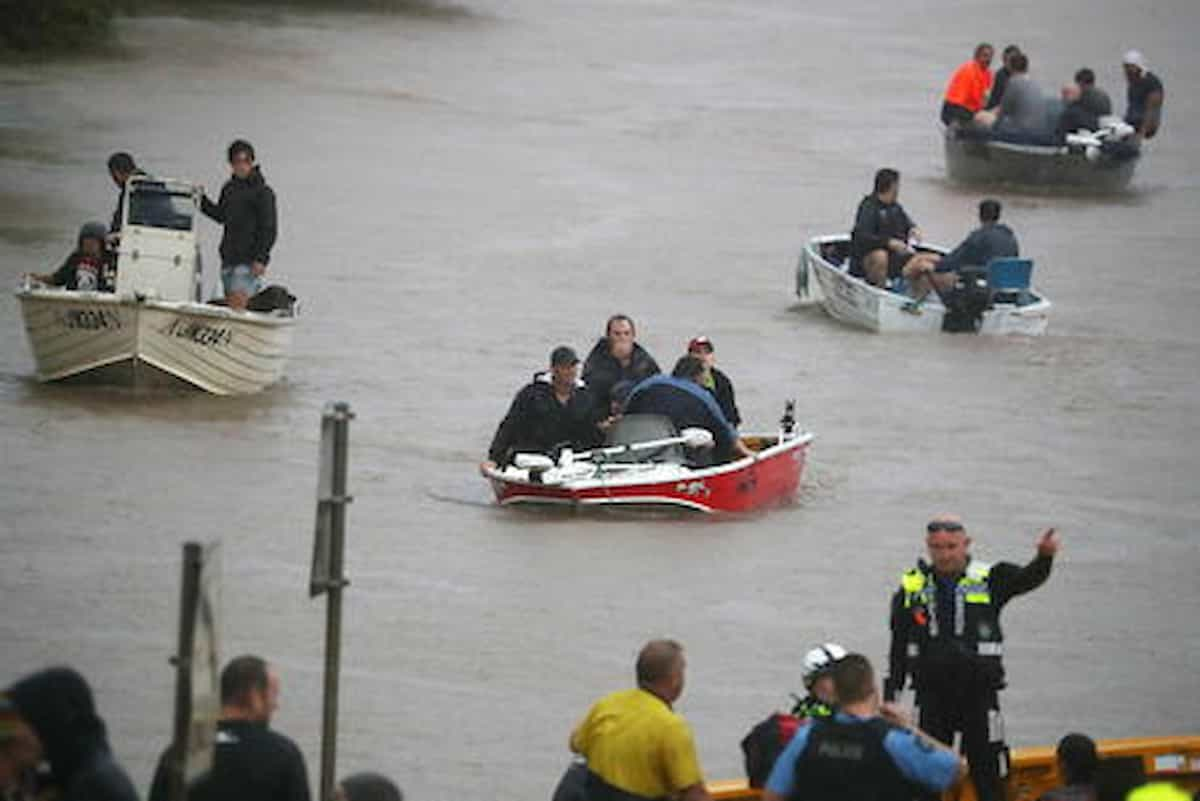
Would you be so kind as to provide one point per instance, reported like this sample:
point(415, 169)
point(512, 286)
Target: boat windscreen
point(156, 206)
point(643, 428)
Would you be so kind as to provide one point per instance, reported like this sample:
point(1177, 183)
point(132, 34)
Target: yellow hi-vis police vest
point(975, 617)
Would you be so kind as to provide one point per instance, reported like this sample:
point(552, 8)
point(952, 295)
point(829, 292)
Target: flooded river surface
point(459, 192)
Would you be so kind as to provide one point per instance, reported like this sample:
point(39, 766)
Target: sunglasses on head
point(943, 525)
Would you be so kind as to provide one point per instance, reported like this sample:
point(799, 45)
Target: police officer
point(946, 634)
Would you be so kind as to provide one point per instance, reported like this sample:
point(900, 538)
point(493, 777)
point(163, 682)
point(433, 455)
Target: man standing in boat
point(1145, 95)
point(945, 621)
point(617, 357)
point(121, 167)
point(246, 207)
point(554, 408)
point(637, 746)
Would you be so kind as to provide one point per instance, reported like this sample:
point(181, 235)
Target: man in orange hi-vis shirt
point(968, 88)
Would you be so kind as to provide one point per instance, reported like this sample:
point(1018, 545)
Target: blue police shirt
point(920, 762)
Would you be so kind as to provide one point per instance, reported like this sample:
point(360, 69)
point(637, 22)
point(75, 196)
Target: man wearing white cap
point(1144, 111)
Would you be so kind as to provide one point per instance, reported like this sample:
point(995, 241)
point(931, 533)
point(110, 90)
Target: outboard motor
point(967, 301)
point(787, 423)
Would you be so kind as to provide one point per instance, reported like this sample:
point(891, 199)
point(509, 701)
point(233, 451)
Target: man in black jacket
point(121, 167)
point(251, 763)
point(246, 208)
point(946, 634)
point(617, 357)
point(554, 408)
point(879, 242)
point(714, 380)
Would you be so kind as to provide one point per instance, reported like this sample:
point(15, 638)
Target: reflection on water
point(460, 192)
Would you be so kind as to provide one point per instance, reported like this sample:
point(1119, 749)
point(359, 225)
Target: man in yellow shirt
point(637, 747)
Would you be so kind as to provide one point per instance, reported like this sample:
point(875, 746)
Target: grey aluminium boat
point(974, 159)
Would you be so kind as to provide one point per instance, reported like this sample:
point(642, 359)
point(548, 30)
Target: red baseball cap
point(701, 342)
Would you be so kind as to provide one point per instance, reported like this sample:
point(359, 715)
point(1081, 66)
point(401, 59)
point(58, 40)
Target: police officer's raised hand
point(1048, 543)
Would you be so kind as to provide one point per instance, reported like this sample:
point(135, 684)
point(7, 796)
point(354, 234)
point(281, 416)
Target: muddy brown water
point(461, 192)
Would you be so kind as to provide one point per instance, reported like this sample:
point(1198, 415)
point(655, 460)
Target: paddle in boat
point(153, 329)
point(1100, 161)
point(995, 300)
point(648, 464)
point(1124, 765)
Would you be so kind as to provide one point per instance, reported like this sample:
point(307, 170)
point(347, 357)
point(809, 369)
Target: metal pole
point(333, 610)
point(192, 559)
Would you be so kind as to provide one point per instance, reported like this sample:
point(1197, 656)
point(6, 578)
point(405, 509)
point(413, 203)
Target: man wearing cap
point(714, 380)
point(1145, 95)
point(555, 407)
point(946, 634)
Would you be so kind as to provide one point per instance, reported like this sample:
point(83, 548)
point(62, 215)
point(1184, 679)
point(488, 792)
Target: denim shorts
point(240, 278)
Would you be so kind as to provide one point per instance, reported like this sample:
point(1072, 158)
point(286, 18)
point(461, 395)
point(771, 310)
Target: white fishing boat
point(153, 328)
point(1005, 303)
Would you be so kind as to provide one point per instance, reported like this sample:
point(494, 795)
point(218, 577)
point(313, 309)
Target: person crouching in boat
point(554, 408)
point(88, 268)
point(991, 240)
point(681, 398)
point(968, 88)
point(879, 243)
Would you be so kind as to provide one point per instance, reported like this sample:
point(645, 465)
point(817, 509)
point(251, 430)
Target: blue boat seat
point(1009, 281)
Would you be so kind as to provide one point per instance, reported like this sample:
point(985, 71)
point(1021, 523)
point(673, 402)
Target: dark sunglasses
point(939, 525)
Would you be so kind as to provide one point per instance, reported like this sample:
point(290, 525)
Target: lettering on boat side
point(693, 488)
point(91, 319)
point(210, 336)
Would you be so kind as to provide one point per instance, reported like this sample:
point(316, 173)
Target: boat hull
point(983, 161)
point(103, 338)
point(857, 303)
point(770, 479)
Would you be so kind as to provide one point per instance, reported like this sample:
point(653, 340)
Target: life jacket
point(765, 742)
point(973, 638)
point(848, 761)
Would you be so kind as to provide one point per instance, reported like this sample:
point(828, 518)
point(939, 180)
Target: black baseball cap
point(563, 354)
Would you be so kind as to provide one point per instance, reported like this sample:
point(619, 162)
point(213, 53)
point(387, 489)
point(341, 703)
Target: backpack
point(765, 742)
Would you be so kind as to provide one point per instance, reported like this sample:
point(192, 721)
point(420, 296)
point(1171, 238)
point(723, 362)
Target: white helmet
point(820, 660)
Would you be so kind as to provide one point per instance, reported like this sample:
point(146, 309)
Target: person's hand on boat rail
point(486, 466)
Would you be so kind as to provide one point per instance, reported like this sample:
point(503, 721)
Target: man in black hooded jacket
point(246, 208)
point(57, 705)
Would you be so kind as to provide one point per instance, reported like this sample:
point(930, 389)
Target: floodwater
point(459, 192)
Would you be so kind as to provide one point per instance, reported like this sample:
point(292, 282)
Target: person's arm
point(214, 211)
point(866, 228)
point(267, 229)
point(1153, 112)
point(506, 432)
point(960, 255)
point(297, 778)
point(735, 415)
point(898, 653)
point(921, 758)
point(1011, 580)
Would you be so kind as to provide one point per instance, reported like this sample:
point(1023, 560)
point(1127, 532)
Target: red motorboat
point(649, 464)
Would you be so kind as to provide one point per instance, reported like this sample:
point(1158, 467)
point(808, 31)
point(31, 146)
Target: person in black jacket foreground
point(617, 357)
point(246, 207)
point(251, 762)
point(946, 635)
point(56, 705)
point(714, 380)
point(552, 409)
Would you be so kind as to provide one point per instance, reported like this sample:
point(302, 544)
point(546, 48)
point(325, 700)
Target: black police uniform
point(951, 644)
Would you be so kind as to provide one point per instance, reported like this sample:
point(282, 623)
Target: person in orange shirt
point(968, 88)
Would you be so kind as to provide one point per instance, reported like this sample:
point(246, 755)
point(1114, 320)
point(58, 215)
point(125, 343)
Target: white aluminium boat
point(153, 329)
point(823, 275)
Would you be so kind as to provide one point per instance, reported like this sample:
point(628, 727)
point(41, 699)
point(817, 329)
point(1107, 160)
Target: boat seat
point(642, 428)
point(1009, 280)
